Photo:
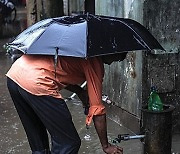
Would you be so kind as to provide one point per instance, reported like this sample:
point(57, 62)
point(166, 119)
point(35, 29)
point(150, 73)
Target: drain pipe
point(157, 127)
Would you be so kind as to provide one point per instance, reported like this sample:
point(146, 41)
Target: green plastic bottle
point(154, 101)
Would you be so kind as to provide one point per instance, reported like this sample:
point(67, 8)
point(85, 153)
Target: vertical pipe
point(31, 12)
point(89, 6)
point(157, 127)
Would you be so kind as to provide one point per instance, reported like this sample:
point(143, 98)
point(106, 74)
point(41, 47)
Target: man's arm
point(101, 129)
point(82, 94)
point(74, 88)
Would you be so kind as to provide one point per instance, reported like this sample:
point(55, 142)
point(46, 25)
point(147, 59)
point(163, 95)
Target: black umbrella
point(85, 36)
point(109, 35)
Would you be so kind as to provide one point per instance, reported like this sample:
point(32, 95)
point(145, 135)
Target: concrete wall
point(123, 80)
point(74, 6)
point(161, 17)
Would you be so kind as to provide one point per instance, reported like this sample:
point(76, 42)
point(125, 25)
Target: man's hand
point(101, 129)
point(112, 149)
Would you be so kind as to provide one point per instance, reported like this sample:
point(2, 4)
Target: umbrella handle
point(56, 60)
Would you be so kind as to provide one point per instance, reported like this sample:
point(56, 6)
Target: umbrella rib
point(136, 34)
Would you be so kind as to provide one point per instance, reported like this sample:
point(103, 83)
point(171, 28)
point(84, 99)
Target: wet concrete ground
point(12, 136)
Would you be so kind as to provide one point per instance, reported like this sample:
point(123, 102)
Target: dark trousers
point(40, 114)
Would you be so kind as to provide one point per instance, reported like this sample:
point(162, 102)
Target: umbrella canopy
point(84, 36)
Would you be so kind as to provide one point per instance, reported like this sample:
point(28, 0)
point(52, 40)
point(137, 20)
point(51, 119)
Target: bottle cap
point(153, 88)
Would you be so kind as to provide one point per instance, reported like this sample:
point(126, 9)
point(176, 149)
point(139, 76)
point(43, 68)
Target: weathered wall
point(122, 82)
point(161, 17)
point(128, 83)
point(163, 71)
point(75, 6)
point(110, 8)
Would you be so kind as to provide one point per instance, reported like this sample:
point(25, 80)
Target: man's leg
point(56, 117)
point(35, 130)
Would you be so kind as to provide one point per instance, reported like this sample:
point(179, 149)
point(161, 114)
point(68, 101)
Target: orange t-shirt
point(36, 74)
